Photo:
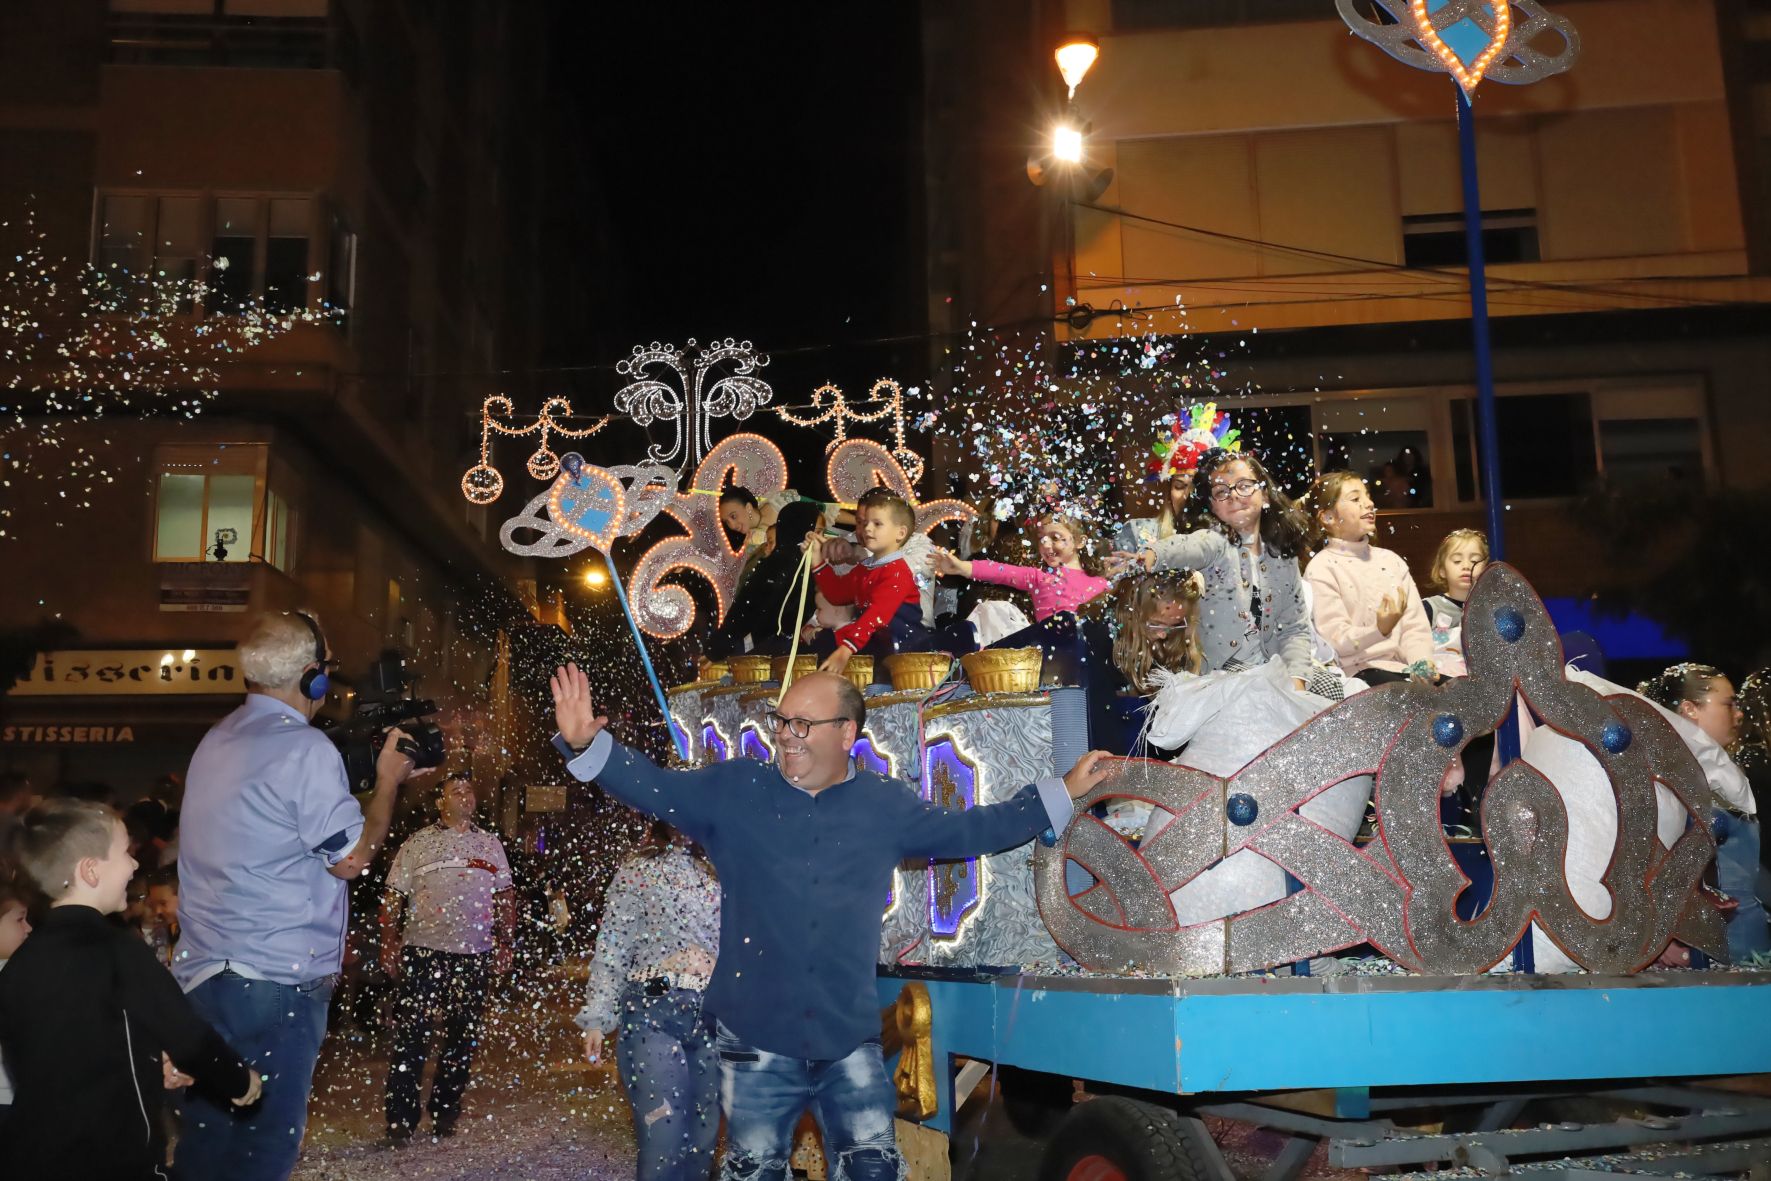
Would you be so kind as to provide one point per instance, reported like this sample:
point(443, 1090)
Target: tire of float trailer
point(1116, 1138)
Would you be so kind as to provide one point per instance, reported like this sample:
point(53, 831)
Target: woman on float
point(1174, 465)
point(1255, 650)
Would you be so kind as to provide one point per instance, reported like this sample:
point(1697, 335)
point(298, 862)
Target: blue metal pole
point(676, 737)
point(1487, 429)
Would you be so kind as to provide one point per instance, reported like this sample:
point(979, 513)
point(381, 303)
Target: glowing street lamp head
point(596, 578)
point(1067, 143)
point(1075, 55)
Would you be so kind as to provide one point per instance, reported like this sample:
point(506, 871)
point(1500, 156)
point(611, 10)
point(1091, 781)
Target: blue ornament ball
point(1241, 809)
point(1448, 730)
point(573, 463)
point(1509, 623)
point(1615, 737)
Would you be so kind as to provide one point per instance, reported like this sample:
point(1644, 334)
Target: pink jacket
point(1053, 590)
point(1348, 580)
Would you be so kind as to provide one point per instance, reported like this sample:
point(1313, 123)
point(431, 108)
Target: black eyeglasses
point(1241, 488)
point(798, 727)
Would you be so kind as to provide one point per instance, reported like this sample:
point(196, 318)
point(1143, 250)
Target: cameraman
point(270, 836)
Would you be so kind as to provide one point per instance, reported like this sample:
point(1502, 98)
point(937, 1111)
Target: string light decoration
point(588, 507)
point(887, 398)
point(666, 611)
point(483, 483)
point(1469, 39)
point(691, 404)
point(856, 466)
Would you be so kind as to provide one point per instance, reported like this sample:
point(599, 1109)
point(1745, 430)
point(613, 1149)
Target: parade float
point(1385, 997)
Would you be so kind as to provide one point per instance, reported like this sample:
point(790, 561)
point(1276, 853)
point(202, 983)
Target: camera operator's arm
point(391, 769)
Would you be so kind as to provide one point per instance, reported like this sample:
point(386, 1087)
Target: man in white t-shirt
point(450, 883)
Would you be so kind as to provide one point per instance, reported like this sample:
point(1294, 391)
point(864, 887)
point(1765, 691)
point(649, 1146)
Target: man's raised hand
point(573, 711)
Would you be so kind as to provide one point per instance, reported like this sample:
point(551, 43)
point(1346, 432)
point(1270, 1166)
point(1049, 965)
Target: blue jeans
point(1737, 874)
point(852, 1099)
point(664, 1050)
point(277, 1029)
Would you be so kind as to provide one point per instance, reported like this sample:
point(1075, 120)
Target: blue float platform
point(1351, 1032)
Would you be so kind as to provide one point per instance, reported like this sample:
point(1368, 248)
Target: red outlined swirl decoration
point(1399, 892)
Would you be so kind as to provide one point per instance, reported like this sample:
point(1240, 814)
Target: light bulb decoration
point(587, 507)
point(667, 611)
point(1469, 39)
point(884, 398)
point(483, 483)
point(856, 466)
point(691, 404)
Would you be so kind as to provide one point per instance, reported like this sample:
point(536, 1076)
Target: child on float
point(1364, 599)
point(884, 591)
point(917, 551)
point(1065, 579)
point(1457, 564)
point(1253, 608)
point(1173, 467)
point(1255, 645)
point(763, 615)
point(1702, 697)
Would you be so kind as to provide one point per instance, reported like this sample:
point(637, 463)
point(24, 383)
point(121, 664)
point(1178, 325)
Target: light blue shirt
point(267, 810)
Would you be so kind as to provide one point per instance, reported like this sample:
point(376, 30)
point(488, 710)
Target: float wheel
point(1115, 1138)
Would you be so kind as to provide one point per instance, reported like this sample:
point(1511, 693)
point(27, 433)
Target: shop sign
point(133, 672)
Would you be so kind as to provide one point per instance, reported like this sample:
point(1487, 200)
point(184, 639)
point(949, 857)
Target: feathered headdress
point(1192, 433)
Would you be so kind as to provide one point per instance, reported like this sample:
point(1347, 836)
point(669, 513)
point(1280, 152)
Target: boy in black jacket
point(83, 997)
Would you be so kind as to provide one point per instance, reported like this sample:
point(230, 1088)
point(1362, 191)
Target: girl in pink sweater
point(1364, 600)
point(1060, 584)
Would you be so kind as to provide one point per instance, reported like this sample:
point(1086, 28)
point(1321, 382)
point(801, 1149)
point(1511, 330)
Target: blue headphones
point(315, 683)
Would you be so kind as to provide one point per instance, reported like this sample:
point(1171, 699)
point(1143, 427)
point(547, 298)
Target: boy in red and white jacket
point(888, 603)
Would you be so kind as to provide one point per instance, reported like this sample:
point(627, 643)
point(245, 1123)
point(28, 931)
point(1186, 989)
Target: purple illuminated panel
point(868, 759)
point(714, 743)
point(752, 746)
point(950, 782)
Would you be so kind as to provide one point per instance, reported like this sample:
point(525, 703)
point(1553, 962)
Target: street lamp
point(1067, 143)
point(596, 578)
point(1076, 53)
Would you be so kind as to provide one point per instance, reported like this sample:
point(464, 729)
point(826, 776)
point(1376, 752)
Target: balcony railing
point(256, 42)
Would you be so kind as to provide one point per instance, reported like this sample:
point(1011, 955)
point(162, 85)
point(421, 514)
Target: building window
point(1644, 449)
point(279, 531)
point(206, 503)
point(1385, 442)
point(1546, 443)
point(1280, 435)
point(1437, 239)
point(258, 248)
point(341, 274)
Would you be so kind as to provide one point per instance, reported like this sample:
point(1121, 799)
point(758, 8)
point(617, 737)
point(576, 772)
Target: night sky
point(758, 165)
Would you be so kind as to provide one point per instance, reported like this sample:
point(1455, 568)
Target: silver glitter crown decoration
point(1399, 892)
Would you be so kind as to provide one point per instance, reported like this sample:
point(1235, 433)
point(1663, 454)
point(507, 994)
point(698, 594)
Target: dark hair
point(13, 784)
point(740, 494)
point(57, 835)
point(1753, 695)
point(1283, 529)
point(1324, 494)
point(166, 875)
point(1681, 682)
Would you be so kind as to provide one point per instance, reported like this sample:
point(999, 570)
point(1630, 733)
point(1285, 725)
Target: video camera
point(383, 703)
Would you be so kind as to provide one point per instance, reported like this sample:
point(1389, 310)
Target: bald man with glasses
point(805, 847)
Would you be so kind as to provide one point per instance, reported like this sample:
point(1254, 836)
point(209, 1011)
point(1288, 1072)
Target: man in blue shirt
point(805, 849)
point(269, 837)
